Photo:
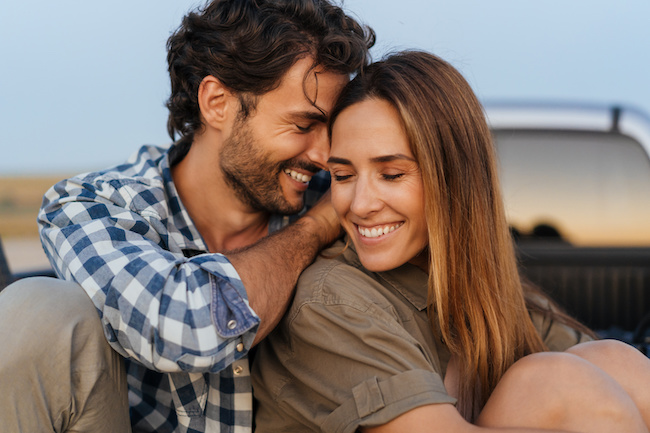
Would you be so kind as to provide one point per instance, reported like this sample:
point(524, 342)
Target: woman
point(421, 322)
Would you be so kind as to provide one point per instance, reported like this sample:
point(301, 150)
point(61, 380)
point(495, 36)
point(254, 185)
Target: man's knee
point(44, 299)
point(47, 315)
point(54, 350)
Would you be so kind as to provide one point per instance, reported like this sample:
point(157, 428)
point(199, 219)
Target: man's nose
point(319, 148)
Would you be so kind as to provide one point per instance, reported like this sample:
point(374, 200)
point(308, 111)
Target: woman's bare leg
point(561, 391)
point(625, 364)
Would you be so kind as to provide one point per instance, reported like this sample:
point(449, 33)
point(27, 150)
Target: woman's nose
point(366, 199)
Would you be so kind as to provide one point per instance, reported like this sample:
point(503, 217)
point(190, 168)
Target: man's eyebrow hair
point(310, 115)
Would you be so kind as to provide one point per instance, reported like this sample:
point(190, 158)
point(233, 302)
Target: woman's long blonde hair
point(475, 295)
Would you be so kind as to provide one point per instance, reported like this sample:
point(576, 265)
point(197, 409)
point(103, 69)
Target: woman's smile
point(378, 230)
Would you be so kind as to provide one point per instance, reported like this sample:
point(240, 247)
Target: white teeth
point(375, 232)
point(297, 176)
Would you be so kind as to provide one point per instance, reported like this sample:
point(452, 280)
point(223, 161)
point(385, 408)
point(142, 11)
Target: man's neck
point(225, 223)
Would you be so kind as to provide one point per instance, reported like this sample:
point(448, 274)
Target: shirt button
point(238, 369)
point(240, 347)
point(232, 324)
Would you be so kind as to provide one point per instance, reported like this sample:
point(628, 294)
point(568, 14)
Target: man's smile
point(299, 177)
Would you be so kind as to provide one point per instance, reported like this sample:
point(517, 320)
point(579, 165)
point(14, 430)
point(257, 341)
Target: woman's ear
point(215, 103)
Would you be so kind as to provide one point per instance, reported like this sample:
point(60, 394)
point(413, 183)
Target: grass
point(20, 200)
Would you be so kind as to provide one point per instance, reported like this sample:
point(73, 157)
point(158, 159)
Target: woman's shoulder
point(337, 276)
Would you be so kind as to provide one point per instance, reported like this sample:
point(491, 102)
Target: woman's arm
point(440, 418)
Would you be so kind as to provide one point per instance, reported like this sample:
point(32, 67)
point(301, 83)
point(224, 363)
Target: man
point(252, 84)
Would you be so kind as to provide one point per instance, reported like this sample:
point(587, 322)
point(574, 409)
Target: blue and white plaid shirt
point(179, 315)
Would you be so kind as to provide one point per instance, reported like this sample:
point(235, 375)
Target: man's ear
point(216, 102)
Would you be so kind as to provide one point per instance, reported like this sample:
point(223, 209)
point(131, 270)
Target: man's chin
point(280, 205)
point(290, 206)
point(291, 209)
point(288, 202)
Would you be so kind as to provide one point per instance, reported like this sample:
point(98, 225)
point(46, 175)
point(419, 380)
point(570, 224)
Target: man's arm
point(167, 311)
point(270, 268)
point(118, 237)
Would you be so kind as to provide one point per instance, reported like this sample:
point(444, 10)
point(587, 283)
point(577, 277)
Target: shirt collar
point(185, 235)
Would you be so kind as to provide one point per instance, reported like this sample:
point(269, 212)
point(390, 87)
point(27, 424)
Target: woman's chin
point(380, 264)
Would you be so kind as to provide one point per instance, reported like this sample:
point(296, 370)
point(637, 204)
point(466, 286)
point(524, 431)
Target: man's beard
point(252, 174)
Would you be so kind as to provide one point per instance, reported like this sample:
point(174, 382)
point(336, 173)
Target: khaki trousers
point(57, 372)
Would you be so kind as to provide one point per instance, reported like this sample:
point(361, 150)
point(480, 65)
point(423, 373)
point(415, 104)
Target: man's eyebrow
point(310, 115)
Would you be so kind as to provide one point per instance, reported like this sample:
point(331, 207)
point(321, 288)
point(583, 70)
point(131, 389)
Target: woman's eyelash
point(341, 178)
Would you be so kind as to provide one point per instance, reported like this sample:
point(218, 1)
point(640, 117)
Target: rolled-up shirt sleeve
point(167, 311)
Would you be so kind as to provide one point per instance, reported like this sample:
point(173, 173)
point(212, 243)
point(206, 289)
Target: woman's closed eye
point(395, 176)
point(341, 177)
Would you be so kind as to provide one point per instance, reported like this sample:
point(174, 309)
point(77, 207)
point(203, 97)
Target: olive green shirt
point(356, 348)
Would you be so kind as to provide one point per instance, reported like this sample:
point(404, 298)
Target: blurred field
point(20, 199)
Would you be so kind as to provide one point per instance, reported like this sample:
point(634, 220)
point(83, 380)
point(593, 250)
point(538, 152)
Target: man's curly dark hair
point(250, 44)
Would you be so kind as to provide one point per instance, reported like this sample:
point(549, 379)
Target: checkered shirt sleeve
point(121, 234)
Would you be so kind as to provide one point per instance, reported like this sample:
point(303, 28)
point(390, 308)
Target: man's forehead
point(306, 91)
point(309, 73)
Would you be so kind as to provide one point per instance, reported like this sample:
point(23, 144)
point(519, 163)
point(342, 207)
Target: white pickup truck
point(576, 182)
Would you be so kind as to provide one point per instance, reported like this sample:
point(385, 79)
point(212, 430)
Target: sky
point(84, 84)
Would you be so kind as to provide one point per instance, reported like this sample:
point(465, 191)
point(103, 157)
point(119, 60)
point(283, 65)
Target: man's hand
point(322, 221)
